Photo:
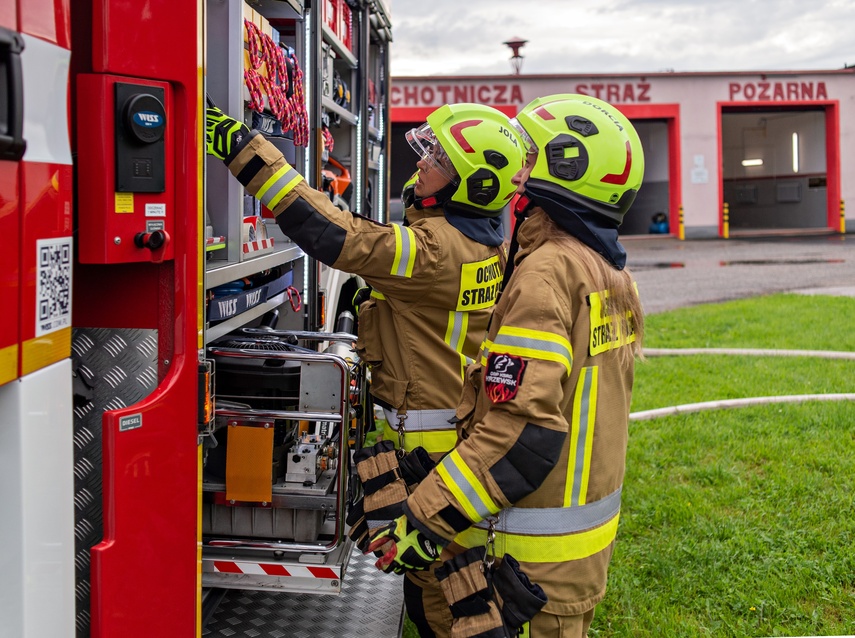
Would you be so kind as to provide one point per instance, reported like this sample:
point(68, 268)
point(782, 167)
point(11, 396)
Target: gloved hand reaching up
point(403, 548)
point(222, 133)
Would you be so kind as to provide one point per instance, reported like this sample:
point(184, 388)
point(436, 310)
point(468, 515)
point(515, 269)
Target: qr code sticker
point(53, 287)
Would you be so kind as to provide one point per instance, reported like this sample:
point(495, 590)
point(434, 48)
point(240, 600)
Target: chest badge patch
point(504, 377)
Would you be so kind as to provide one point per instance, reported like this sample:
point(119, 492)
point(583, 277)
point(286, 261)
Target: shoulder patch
point(503, 377)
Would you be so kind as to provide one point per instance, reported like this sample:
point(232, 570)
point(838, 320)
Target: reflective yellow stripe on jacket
point(530, 344)
point(405, 251)
point(581, 437)
point(551, 534)
point(280, 184)
point(470, 493)
point(429, 429)
point(455, 336)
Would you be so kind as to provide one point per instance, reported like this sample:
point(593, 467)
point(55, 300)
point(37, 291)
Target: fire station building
point(726, 153)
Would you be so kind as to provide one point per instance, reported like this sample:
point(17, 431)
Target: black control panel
point(140, 144)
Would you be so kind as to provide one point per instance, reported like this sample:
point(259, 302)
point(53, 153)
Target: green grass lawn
point(741, 522)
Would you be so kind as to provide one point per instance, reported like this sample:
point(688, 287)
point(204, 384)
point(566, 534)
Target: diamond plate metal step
point(371, 604)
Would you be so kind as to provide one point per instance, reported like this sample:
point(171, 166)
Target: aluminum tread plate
point(371, 604)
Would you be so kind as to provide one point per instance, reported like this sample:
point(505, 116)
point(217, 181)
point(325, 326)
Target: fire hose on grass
point(688, 408)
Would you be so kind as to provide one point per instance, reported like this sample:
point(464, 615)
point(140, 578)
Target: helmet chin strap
point(438, 198)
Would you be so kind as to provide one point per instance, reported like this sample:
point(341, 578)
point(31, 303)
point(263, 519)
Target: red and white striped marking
point(261, 245)
point(269, 569)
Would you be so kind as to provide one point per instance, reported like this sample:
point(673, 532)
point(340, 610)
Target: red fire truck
point(177, 406)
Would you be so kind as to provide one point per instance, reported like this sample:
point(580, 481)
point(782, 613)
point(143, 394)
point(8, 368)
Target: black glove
point(358, 531)
point(223, 134)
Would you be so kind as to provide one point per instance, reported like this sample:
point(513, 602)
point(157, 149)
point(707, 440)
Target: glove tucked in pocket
point(520, 598)
point(467, 584)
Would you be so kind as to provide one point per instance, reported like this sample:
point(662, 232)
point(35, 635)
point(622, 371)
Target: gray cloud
point(464, 37)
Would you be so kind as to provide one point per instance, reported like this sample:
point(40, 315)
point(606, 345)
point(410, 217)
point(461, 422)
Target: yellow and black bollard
point(681, 230)
point(725, 221)
point(842, 218)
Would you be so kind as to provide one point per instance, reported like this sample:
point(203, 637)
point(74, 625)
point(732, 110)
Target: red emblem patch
point(504, 377)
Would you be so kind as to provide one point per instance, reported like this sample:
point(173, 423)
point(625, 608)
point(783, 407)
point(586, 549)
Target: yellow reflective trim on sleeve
point(405, 251)
point(534, 344)
point(465, 487)
point(285, 190)
point(545, 549)
point(486, 348)
point(271, 181)
point(377, 294)
point(581, 437)
point(479, 284)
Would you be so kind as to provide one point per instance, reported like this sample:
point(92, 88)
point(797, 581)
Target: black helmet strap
point(438, 198)
point(520, 210)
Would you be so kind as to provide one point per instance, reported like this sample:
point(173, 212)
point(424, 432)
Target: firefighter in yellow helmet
point(434, 281)
point(544, 414)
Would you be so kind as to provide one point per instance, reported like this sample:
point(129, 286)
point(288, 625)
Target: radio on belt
point(140, 148)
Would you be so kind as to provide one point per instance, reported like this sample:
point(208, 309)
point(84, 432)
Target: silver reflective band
point(422, 420)
point(464, 485)
point(540, 521)
point(406, 248)
point(533, 344)
point(277, 186)
point(582, 435)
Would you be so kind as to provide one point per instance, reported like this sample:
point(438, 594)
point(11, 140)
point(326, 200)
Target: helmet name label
point(606, 113)
point(479, 284)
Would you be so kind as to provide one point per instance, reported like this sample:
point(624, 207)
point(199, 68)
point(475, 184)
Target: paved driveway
point(673, 273)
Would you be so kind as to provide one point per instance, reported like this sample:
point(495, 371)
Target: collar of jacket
point(597, 232)
point(414, 214)
point(485, 230)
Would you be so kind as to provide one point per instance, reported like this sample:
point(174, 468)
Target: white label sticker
point(130, 422)
point(53, 285)
point(155, 210)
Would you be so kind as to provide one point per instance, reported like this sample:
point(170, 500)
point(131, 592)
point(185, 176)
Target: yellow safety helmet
point(478, 148)
point(588, 153)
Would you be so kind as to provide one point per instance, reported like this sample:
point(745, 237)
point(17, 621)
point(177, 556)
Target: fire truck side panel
point(9, 271)
point(45, 191)
point(10, 221)
point(37, 526)
point(145, 571)
point(109, 220)
point(47, 19)
point(160, 42)
point(9, 15)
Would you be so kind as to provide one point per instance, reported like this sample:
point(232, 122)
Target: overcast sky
point(464, 37)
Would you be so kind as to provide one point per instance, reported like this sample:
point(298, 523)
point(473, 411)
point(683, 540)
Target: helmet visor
point(423, 141)
point(528, 144)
